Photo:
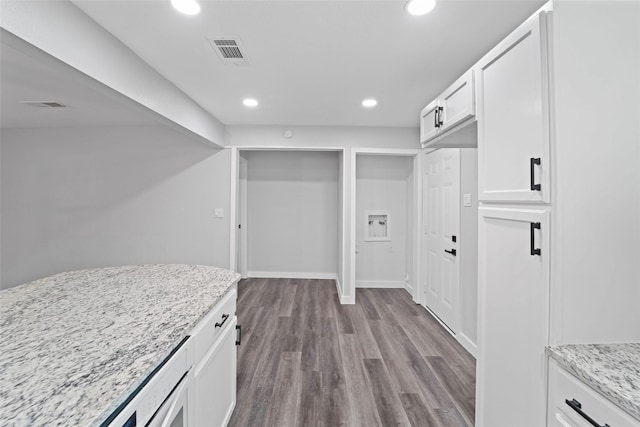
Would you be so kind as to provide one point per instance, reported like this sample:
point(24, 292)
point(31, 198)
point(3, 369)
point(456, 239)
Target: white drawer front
point(206, 333)
point(564, 386)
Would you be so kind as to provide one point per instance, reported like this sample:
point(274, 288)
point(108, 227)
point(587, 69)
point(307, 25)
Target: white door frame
point(417, 220)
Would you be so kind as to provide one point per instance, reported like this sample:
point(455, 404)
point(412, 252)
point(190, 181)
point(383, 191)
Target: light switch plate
point(466, 200)
point(219, 213)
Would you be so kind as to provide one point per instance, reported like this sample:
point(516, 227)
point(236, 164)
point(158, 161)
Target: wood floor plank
point(360, 398)
point(343, 315)
point(417, 411)
point(368, 343)
point(286, 391)
point(310, 409)
point(307, 360)
point(388, 404)
point(461, 392)
point(371, 311)
point(287, 298)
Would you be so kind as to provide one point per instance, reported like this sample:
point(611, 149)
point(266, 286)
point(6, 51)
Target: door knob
point(452, 252)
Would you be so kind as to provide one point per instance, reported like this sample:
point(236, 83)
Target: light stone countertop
point(73, 346)
point(613, 370)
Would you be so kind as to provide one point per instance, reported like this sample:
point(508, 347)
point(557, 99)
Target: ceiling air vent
point(43, 104)
point(229, 50)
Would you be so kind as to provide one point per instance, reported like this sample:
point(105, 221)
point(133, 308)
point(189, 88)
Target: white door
point(513, 117)
point(513, 292)
point(441, 231)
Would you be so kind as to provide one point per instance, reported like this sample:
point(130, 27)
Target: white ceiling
point(313, 62)
point(27, 74)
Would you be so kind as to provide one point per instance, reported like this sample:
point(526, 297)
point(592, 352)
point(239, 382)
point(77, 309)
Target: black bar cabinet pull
point(224, 319)
point(239, 334)
point(577, 406)
point(440, 122)
point(435, 117)
point(532, 162)
point(452, 252)
point(534, 226)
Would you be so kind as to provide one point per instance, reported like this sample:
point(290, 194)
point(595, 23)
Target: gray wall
point(383, 183)
point(75, 198)
point(292, 212)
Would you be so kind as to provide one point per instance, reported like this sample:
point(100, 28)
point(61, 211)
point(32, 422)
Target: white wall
point(382, 184)
point(319, 136)
point(76, 198)
point(596, 288)
point(469, 249)
point(292, 213)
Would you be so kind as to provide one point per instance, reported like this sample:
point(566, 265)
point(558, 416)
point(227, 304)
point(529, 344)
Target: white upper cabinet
point(429, 121)
point(453, 107)
point(513, 117)
point(457, 102)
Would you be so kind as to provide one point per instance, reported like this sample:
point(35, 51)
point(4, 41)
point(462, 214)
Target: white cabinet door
point(215, 381)
point(429, 125)
point(513, 117)
point(513, 289)
point(442, 230)
point(457, 101)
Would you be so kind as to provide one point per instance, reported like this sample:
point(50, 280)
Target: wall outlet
point(466, 200)
point(219, 213)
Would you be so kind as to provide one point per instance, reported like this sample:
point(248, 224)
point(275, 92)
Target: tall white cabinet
point(513, 230)
point(559, 190)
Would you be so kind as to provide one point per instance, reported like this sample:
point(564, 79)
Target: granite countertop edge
point(112, 327)
point(615, 395)
point(107, 412)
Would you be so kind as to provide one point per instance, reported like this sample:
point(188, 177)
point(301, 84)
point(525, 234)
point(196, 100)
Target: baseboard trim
point(448, 329)
point(381, 284)
point(290, 275)
point(338, 286)
point(468, 345)
point(409, 288)
point(347, 299)
point(462, 339)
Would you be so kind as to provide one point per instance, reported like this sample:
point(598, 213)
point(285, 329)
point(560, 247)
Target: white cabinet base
point(215, 381)
point(565, 387)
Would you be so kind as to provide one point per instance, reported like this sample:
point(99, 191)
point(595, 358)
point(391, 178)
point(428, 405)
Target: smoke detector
point(43, 104)
point(229, 50)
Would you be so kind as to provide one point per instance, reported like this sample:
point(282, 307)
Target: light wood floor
point(306, 360)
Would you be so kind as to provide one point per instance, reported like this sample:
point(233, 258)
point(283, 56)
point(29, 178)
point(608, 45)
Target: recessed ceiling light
point(250, 102)
point(188, 7)
point(370, 102)
point(419, 7)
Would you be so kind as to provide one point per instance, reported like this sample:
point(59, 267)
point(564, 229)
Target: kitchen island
point(74, 346)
